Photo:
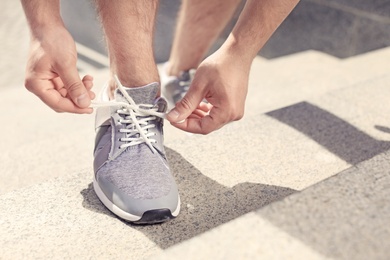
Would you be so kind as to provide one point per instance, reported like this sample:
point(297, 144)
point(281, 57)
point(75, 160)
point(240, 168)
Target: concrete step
point(241, 168)
point(343, 217)
point(368, 65)
point(292, 79)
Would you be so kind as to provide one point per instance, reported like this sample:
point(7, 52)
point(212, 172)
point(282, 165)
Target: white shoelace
point(135, 117)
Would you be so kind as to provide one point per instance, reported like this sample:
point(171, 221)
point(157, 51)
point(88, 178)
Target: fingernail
point(173, 115)
point(83, 100)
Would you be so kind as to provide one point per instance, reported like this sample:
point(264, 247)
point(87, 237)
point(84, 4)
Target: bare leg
point(129, 27)
point(199, 24)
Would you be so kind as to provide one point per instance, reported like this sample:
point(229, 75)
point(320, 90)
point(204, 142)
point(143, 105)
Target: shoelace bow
point(135, 117)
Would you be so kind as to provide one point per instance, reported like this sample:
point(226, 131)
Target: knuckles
point(238, 116)
point(184, 104)
point(235, 113)
point(74, 88)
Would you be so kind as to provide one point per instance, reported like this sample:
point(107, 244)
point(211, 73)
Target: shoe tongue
point(141, 95)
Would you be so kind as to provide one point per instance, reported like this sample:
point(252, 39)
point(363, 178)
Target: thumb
point(186, 105)
point(75, 87)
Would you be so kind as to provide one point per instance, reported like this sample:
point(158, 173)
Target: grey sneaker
point(175, 88)
point(132, 176)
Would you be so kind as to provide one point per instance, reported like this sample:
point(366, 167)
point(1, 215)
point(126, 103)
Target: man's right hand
point(52, 75)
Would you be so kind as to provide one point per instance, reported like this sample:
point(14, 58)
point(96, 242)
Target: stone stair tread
point(369, 65)
point(271, 87)
point(369, 57)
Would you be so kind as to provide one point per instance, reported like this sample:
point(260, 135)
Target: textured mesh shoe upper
point(140, 171)
point(146, 175)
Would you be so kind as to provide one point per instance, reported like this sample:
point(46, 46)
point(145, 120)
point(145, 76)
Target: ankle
point(111, 88)
point(133, 70)
point(171, 70)
point(134, 76)
point(174, 69)
point(112, 85)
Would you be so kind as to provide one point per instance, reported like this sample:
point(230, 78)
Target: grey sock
point(141, 95)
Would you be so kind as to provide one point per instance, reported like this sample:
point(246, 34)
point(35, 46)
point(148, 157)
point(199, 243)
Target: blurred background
point(342, 28)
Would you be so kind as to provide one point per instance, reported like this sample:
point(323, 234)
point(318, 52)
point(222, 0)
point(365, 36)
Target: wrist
point(45, 30)
point(42, 16)
point(233, 48)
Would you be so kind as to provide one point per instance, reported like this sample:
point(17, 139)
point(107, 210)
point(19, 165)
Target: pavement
point(304, 175)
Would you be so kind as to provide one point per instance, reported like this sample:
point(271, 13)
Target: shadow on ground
point(205, 203)
point(333, 133)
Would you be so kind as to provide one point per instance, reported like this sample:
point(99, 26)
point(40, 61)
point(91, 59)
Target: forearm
point(257, 22)
point(42, 15)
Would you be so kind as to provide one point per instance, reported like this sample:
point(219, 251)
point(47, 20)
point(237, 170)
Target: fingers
point(88, 83)
point(201, 111)
point(57, 102)
point(55, 98)
point(187, 105)
point(192, 115)
point(205, 107)
point(75, 88)
point(207, 118)
point(201, 122)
